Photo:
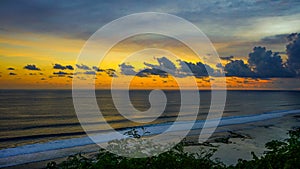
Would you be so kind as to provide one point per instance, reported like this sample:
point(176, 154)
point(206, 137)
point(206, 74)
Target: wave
point(76, 124)
point(153, 129)
point(286, 105)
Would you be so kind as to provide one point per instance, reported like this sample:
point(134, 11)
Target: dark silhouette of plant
point(134, 133)
point(282, 155)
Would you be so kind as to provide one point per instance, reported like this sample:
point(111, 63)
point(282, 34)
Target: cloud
point(32, 74)
point(90, 73)
point(83, 67)
point(196, 69)
point(152, 71)
point(238, 68)
point(12, 74)
point(263, 63)
point(31, 67)
point(61, 73)
point(266, 63)
point(10, 68)
point(228, 58)
point(61, 67)
point(275, 39)
point(163, 64)
point(143, 73)
point(62, 18)
point(293, 52)
point(219, 65)
point(164, 67)
point(127, 69)
point(97, 69)
point(69, 67)
point(111, 72)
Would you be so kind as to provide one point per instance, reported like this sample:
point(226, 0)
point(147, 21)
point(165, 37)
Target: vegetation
point(282, 154)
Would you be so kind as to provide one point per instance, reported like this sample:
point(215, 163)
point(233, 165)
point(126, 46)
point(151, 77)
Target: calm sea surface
point(34, 116)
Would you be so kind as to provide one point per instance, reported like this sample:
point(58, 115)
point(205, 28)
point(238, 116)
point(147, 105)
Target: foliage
point(134, 133)
point(173, 159)
point(282, 154)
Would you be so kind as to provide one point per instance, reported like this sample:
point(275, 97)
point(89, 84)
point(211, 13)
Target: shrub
point(282, 154)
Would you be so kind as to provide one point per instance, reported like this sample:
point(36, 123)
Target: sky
point(41, 40)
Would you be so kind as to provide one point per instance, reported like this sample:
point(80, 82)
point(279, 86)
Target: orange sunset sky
point(40, 42)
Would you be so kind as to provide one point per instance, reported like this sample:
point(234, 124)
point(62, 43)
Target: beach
point(241, 143)
point(237, 143)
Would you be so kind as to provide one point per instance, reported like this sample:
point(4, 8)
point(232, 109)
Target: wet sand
point(238, 141)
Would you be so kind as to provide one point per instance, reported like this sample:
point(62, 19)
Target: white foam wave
point(33, 149)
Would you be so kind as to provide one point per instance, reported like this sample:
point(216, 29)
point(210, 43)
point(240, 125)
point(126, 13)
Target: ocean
point(33, 118)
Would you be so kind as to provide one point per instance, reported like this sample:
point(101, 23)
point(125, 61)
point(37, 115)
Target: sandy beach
point(238, 142)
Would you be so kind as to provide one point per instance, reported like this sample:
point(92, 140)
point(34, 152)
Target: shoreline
point(248, 140)
point(238, 141)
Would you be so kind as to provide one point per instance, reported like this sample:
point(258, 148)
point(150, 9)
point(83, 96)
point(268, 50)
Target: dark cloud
point(266, 63)
point(166, 63)
point(127, 69)
point(32, 74)
point(238, 68)
point(61, 67)
point(197, 69)
point(228, 58)
point(77, 19)
point(69, 67)
point(275, 39)
point(83, 67)
point(90, 73)
point(61, 73)
point(111, 72)
point(293, 52)
point(166, 67)
point(152, 71)
point(97, 69)
point(219, 65)
point(143, 73)
point(81, 18)
point(12, 74)
point(31, 67)
point(163, 64)
point(10, 68)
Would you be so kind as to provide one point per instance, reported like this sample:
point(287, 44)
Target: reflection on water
point(31, 116)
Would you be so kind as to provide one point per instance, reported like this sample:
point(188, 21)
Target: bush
point(282, 154)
